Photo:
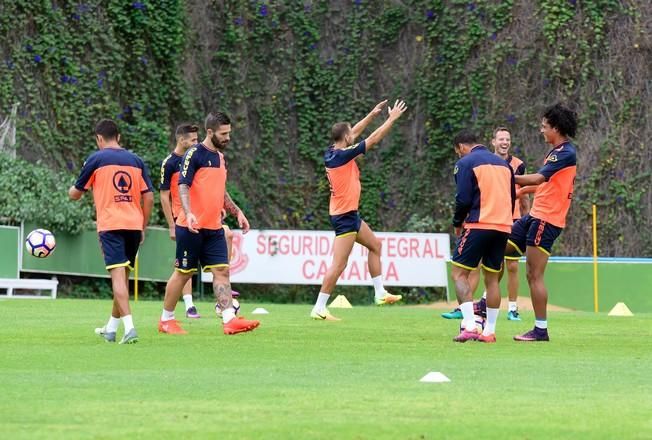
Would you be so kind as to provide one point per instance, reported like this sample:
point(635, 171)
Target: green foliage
point(35, 193)
point(286, 71)
point(70, 64)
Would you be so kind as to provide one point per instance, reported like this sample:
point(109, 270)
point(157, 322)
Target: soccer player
point(122, 192)
point(199, 233)
point(186, 137)
point(344, 178)
point(535, 233)
point(484, 201)
point(502, 142)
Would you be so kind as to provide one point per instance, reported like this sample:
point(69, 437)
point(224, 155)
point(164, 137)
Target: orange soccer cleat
point(171, 327)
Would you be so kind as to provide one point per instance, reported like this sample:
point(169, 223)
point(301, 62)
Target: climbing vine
point(286, 71)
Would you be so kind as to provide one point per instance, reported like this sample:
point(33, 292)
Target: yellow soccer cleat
point(323, 316)
point(388, 299)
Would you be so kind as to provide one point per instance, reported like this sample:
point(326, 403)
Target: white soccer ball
point(479, 323)
point(40, 243)
point(236, 307)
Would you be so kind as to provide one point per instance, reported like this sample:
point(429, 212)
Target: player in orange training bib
point(344, 178)
point(535, 233)
point(122, 192)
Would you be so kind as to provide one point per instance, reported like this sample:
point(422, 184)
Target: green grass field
point(294, 378)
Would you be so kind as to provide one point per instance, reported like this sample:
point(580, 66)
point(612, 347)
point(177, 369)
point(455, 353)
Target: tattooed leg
point(222, 287)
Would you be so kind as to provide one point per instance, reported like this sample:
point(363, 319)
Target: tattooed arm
point(230, 206)
point(185, 204)
point(233, 209)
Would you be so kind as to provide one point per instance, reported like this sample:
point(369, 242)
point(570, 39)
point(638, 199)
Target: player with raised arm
point(185, 136)
point(199, 234)
point(122, 192)
point(535, 233)
point(344, 178)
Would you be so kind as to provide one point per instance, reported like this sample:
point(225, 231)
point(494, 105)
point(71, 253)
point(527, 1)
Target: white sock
point(322, 300)
point(112, 325)
point(542, 324)
point(128, 323)
point(228, 315)
point(512, 306)
point(378, 286)
point(167, 316)
point(484, 294)
point(187, 299)
point(468, 318)
point(490, 325)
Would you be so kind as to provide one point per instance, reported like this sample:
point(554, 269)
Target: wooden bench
point(11, 284)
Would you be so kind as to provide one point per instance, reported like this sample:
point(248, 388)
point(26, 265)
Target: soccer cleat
point(487, 339)
point(454, 314)
point(108, 336)
point(171, 327)
point(513, 315)
point(130, 338)
point(388, 298)
point(323, 316)
point(192, 313)
point(480, 308)
point(466, 335)
point(239, 326)
point(534, 335)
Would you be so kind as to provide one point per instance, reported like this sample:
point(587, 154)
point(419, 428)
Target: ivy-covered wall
point(287, 70)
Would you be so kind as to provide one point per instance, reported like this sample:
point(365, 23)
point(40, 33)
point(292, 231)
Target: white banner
point(302, 257)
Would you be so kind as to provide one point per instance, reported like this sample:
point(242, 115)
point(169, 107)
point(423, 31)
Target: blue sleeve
point(167, 169)
point(520, 170)
point(337, 158)
point(89, 167)
point(188, 167)
point(148, 182)
point(557, 161)
point(463, 194)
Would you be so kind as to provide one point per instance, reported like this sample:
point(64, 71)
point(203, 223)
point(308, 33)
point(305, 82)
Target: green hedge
point(286, 70)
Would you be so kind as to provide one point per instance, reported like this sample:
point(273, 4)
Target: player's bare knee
point(533, 275)
point(376, 246)
point(220, 274)
point(120, 293)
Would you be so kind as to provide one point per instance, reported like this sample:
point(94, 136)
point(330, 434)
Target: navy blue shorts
point(475, 245)
point(515, 255)
point(347, 223)
point(120, 247)
point(208, 248)
point(530, 231)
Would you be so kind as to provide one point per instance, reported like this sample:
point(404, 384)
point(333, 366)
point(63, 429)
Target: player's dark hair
point(339, 130)
point(497, 129)
point(215, 120)
point(108, 129)
point(185, 129)
point(465, 136)
point(562, 118)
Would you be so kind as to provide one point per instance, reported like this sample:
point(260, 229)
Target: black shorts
point(515, 255)
point(530, 231)
point(346, 224)
point(207, 247)
point(475, 245)
point(120, 247)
